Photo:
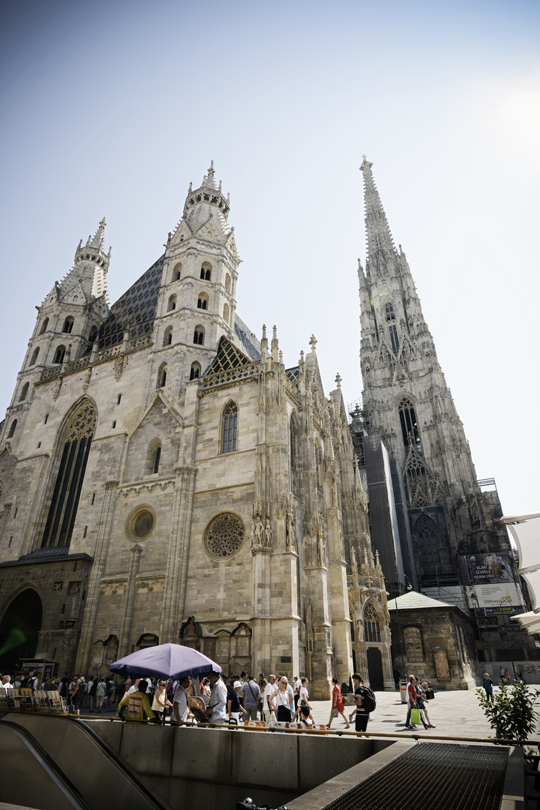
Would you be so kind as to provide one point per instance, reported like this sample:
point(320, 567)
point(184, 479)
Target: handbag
point(335, 713)
point(416, 719)
point(283, 714)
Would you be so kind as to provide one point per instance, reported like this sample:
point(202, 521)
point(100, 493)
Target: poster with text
point(488, 569)
point(494, 596)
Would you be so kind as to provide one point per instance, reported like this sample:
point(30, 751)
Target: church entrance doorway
point(19, 628)
point(375, 670)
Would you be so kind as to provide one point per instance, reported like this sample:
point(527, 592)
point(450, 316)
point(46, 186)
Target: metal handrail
point(280, 730)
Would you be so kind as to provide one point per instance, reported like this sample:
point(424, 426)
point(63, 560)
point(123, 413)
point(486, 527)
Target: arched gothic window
point(68, 325)
point(198, 335)
point(413, 644)
point(226, 313)
point(177, 272)
point(230, 428)
point(67, 489)
point(12, 429)
point(93, 333)
point(162, 376)
point(157, 459)
point(293, 440)
point(35, 356)
point(409, 425)
point(44, 326)
point(24, 392)
point(167, 337)
point(202, 301)
point(392, 328)
point(206, 271)
point(172, 303)
point(59, 355)
point(227, 282)
point(195, 372)
point(372, 628)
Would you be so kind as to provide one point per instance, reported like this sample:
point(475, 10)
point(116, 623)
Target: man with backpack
point(365, 703)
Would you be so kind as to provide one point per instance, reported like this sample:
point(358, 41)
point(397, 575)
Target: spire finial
point(264, 332)
point(313, 343)
point(97, 240)
point(338, 380)
point(209, 180)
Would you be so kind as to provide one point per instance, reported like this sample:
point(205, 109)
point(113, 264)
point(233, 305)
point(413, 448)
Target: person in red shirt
point(411, 700)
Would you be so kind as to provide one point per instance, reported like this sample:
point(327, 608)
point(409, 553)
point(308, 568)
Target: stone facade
point(207, 493)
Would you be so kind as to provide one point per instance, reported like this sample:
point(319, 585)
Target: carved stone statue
point(268, 533)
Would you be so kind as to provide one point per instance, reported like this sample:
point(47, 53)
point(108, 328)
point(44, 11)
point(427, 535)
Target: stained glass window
point(69, 480)
point(230, 426)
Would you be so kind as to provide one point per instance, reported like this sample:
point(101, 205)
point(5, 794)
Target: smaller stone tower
point(66, 324)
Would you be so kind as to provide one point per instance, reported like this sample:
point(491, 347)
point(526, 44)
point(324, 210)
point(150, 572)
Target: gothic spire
point(98, 238)
point(209, 179)
point(379, 237)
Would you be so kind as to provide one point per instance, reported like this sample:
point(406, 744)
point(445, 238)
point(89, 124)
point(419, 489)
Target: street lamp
point(407, 587)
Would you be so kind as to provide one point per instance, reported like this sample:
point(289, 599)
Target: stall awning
point(525, 530)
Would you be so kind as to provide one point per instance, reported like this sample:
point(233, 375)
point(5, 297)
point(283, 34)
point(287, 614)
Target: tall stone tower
point(407, 402)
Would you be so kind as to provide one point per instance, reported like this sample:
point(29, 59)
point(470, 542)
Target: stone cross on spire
point(313, 343)
point(338, 380)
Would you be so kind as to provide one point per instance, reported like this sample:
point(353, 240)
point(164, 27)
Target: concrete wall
point(210, 769)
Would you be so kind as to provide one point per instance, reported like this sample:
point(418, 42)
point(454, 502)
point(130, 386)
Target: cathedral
point(164, 476)
point(435, 525)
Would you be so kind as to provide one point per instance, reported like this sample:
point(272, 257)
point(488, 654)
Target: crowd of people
point(232, 700)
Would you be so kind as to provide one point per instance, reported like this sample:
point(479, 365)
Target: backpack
point(369, 702)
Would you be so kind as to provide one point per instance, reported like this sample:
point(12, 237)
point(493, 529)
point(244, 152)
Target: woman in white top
point(283, 700)
point(160, 701)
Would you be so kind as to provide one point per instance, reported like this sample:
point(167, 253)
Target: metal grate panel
point(433, 777)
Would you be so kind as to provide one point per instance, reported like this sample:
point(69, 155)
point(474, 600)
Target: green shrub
point(511, 711)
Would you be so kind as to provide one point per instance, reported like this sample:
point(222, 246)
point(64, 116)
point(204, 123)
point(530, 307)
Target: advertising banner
point(488, 569)
point(494, 596)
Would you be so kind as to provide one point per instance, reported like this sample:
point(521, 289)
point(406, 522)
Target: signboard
point(488, 569)
point(494, 596)
point(504, 610)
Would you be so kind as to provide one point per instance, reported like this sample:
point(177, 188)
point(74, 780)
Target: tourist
point(260, 700)
point(180, 707)
point(119, 686)
point(216, 711)
point(303, 700)
point(137, 705)
point(160, 702)
point(507, 676)
point(337, 704)
point(71, 692)
point(283, 699)
point(135, 686)
point(234, 708)
point(305, 714)
point(6, 682)
point(296, 691)
point(250, 692)
point(360, 712)
point(421, 705)
point(101, 693)
point(268, 708)
point(488, 686)
point(79, 695)
point(92, 692)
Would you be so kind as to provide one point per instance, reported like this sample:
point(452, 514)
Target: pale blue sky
point(114, 107)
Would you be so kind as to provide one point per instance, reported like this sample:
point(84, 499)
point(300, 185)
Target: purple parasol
point(165, 661)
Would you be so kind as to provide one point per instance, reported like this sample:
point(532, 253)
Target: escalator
point(58, 762)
